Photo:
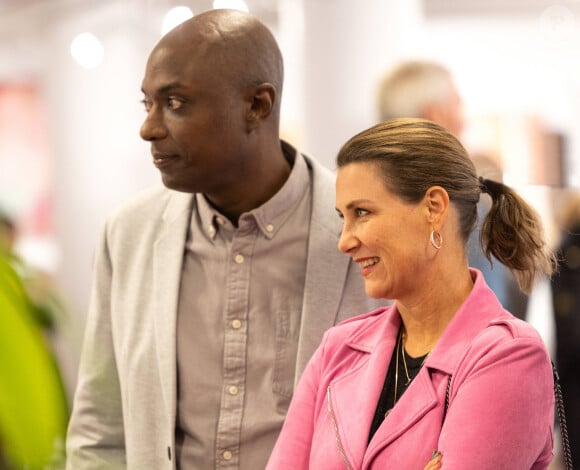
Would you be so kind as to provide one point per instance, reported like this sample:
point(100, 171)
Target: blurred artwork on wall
point(26, 170)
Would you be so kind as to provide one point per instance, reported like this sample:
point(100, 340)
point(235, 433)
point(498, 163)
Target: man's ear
point(434, 112)
point(261, 104)
point(437, 201)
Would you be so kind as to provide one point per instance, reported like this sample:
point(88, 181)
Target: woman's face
point(387, 237)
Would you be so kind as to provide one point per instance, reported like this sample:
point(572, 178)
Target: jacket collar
point(476, 313)
point(478, 310)
point(376, 340)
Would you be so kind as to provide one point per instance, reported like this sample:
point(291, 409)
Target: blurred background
point(70, 112)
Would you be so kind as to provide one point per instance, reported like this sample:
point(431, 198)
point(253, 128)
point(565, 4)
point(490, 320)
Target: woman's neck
point(425, 319)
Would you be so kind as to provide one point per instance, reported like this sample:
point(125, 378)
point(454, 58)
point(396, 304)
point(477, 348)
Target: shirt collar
point(271, 215)
point(210, 220)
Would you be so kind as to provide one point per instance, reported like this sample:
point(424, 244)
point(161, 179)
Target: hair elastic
point(482, 185)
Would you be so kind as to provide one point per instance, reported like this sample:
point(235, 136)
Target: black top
point(387, 398)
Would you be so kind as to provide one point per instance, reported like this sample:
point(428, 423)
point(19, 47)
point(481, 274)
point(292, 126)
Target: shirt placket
point(235, 349)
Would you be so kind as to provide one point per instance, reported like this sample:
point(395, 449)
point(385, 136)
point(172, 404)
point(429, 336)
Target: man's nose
point(153, 127)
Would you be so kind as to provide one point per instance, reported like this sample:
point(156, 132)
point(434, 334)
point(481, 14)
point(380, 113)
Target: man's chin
point(176, 185)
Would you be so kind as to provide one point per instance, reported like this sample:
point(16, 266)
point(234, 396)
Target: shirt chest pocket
point(286, 348)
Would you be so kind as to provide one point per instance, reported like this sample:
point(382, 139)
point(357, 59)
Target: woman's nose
point(347, 241)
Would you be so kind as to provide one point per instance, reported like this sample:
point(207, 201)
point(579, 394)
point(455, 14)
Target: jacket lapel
point(167, 265)
point(326, 268)
point(353, 407)
point(417, 400)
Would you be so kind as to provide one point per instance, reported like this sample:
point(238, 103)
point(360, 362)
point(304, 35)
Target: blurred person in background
point(421, 89)
point(210, 295)
point(566, 304)
point(33, 402)
point(424, 89)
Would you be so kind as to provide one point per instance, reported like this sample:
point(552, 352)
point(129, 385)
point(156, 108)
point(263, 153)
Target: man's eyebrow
point(166, 88)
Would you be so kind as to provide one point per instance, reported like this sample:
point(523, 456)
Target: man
point(210, 296)
point(421, 89)
point(427, 90)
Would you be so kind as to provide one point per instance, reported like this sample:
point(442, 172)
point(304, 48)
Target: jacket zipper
point(336, 435)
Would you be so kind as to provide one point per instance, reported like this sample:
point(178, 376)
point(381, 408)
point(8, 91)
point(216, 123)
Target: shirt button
point(227, 455)
point(270, 228)
point(219, 220)
point(236, 324)
point(233, 390)
point(239, 259)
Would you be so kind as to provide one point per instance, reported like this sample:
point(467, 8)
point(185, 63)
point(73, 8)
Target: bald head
point(237, 47)
point(212, 91)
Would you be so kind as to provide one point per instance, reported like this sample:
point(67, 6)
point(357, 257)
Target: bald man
point(211, 293)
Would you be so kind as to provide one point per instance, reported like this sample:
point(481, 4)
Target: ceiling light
point(174, 17)
point(87, 50)
point(233, 4)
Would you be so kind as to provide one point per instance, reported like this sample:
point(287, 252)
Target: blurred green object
point(33, 403)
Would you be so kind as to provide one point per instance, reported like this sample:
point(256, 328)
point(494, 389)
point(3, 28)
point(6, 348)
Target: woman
point(445, 377)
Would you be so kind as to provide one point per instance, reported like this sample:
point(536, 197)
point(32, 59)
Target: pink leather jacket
point(501, 399)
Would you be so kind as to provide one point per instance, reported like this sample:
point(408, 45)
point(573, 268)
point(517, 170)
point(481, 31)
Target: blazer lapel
point(326, 269)
point(167, 265)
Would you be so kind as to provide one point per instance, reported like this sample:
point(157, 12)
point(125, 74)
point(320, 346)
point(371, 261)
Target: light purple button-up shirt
point(238, 323)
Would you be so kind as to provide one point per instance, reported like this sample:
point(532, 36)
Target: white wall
point(513, 66)
point(95, 117)
point(345, 51)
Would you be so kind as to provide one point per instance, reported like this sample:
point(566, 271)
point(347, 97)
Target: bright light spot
point(87, 50)
point(233, 4)
point(174, 17)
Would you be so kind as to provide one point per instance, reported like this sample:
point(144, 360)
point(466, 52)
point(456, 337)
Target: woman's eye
point(361, 212)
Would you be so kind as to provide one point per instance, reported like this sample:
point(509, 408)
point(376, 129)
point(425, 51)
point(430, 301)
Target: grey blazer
point(125, 404)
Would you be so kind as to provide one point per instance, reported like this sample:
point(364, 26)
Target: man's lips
point(162, 160)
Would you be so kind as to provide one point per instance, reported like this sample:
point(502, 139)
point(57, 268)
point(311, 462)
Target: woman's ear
point(437, 201)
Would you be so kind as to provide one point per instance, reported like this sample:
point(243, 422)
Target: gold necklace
point(399, 341)
point(401, 351)
point(406, 370)
point(405, 363)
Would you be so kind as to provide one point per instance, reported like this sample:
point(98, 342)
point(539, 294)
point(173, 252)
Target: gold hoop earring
point(436, 239)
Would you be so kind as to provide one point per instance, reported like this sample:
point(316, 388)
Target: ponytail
point(512, 232)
